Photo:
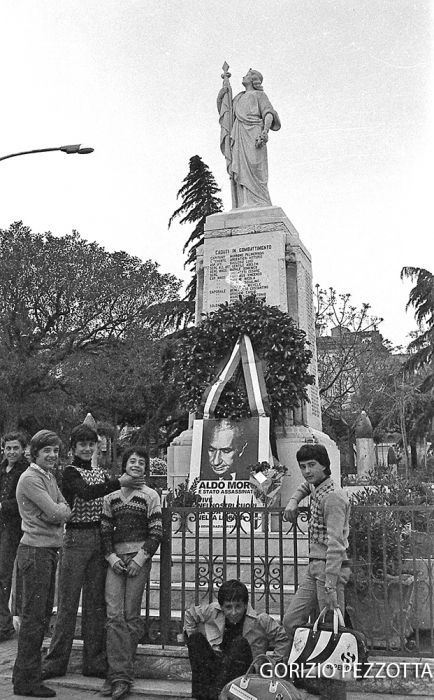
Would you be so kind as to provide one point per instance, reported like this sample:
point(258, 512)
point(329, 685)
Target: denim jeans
point(9, 541)
point(124, 626)
point(311, 594)
point(82, 566)
point(38, 569)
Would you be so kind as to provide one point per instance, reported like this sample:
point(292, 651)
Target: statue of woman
point(245, 122)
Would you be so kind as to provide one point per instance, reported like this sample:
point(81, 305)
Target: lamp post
point(76, 148)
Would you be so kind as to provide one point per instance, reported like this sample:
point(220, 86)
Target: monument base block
point(178, 459)
point(258, 251)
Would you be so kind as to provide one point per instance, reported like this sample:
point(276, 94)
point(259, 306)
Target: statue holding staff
point(245, 122)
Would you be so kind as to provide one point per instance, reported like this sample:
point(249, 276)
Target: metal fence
point(390, 596)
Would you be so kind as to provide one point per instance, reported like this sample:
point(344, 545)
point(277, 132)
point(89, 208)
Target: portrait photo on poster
point(229, 448)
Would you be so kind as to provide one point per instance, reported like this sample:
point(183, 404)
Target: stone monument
point(254, 248)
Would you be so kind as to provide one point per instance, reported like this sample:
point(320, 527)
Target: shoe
point(39, 691)
point(106, 688)
point(120, 689)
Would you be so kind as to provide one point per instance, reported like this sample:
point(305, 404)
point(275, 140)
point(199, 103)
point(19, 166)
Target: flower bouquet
point(266, 481)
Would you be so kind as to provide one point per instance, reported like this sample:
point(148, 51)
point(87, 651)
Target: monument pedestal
point(178, 459)
point(259, 251)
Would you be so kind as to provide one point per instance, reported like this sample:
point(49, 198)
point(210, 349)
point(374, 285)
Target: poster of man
point(228, 449)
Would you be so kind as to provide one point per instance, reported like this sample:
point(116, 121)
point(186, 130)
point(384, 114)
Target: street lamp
point(76, 148)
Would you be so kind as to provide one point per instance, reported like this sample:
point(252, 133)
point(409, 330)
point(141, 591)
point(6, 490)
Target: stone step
point(165, 673)
point(184, 594)
point(170, 663)
point(151, 688)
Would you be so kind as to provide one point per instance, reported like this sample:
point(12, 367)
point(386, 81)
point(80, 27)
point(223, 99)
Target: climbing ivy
point(279, 343)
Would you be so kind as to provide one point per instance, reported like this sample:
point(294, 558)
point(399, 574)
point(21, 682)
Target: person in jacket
point(13, 465)
point(329, 568)
point(83, 568)
point(131, 532)
point(224, 637)
point(43, 511)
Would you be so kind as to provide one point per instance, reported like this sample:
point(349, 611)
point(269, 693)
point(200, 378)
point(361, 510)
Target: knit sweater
point(42, 508)
point(328, 525)
point(84, 488)
point(131, 524)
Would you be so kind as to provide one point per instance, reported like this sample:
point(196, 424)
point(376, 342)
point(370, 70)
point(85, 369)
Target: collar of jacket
point(22, 463)
point(322, 485)
point(82, 463)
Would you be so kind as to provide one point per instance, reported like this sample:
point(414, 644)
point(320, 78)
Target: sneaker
point(106, 689)
point(39, 691)
point(120, 689)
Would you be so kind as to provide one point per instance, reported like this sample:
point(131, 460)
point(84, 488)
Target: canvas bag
point(325, 650)
point(258, 402)
point(252, 686)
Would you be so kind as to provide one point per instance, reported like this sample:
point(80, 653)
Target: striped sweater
point(328, 525)
point(131, 524)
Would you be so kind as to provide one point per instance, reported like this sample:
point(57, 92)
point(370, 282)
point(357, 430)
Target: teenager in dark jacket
point(13, 465)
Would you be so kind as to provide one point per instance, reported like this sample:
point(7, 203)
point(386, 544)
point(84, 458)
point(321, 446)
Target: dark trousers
point(210, 670)
point(9, 541)
point(38, 570)
point(82, 569)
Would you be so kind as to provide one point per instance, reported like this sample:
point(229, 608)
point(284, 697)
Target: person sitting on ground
point(83, 567)
point(224, 637)
point(131, 531)
point(43, 510)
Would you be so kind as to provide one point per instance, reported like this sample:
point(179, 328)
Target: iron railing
point(202, 547)
point(390, 596)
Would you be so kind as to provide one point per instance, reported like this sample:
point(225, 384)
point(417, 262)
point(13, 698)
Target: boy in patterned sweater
point(131, 531)
point(328, 570)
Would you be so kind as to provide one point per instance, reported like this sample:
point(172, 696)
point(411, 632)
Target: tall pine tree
point(198, 201)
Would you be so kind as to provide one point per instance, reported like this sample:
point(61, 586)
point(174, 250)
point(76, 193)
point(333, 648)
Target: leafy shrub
point(280, 344)
point(184, 495)
point(158, 467)
point(380, 534)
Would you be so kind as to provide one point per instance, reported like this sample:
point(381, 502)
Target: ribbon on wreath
point(254, 432)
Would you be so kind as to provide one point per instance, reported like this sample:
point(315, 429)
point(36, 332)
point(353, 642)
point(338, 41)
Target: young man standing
point(83, 568)
point(328, 570)
point(13, 465)
point(43, 511)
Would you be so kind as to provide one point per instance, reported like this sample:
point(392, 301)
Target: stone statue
point(245, 122)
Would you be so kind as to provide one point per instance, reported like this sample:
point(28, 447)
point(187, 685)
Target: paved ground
point(77, 687)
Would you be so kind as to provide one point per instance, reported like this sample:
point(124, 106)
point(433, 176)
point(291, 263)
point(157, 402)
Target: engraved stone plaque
point(242, 265)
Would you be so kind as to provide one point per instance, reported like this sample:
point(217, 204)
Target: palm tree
point(422, 347)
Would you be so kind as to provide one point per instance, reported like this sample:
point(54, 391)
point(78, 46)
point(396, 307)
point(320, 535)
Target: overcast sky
point(352, 166)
